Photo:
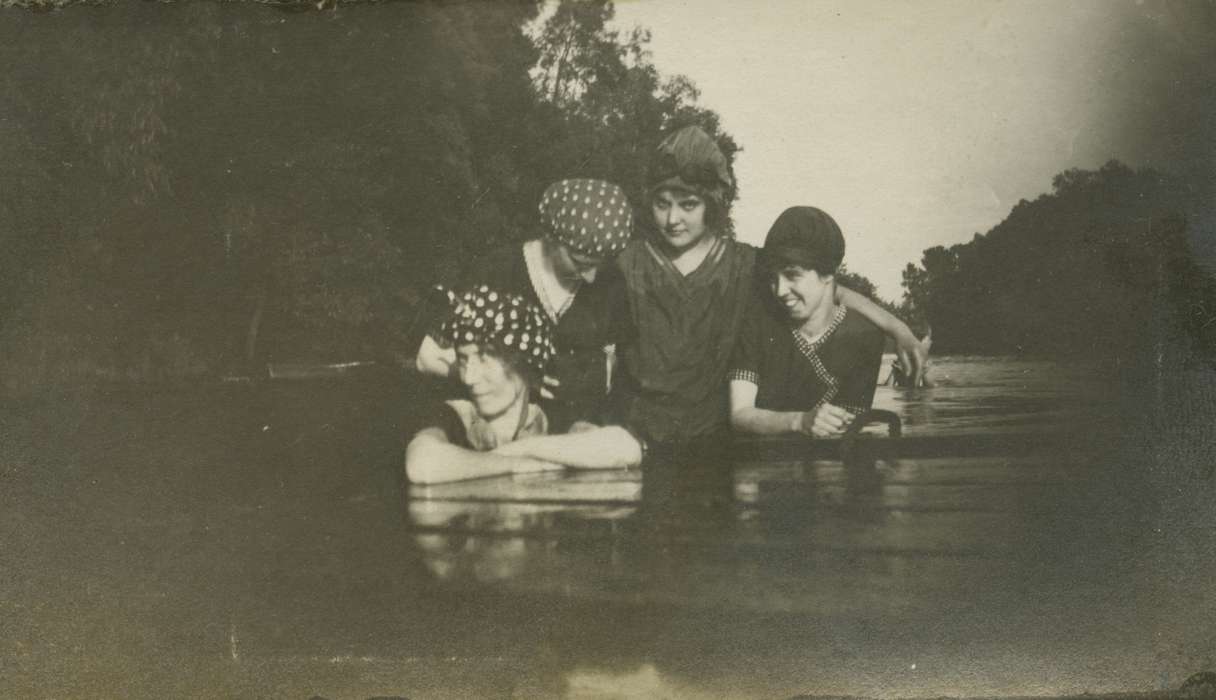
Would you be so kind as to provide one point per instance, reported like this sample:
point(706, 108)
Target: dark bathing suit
point(673, 384)
point(793, 373)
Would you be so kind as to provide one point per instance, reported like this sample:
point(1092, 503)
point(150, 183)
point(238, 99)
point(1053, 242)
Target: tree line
point(1100, 268)
point(198, 188)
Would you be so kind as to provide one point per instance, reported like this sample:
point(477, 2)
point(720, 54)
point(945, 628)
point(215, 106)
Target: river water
point(1035, 537)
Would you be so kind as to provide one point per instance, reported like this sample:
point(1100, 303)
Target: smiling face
point(679, 217)
point(802, 292)
point(574, 266)
point(493, 386)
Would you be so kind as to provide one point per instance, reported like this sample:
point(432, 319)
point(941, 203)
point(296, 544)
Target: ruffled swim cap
point(690, 160)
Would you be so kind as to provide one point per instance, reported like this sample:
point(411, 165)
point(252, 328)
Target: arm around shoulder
point(874, 313)
point(911, 351)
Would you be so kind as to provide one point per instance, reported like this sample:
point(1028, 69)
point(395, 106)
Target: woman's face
point(574, 266)
point(801, 291)
point(680, 218)
point(493, 386)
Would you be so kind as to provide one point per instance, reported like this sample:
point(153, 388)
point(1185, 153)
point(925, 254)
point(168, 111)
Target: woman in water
point(689, 288)
point(585, 223)
point(804, 364)
point(502, 344)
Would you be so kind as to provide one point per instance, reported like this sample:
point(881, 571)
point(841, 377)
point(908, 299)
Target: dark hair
point(773, 261)
point(807, 237)
point(717, 213)
point(717, 216)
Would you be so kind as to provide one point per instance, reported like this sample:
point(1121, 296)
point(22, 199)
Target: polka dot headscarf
point(485, 316)
point(592, 217)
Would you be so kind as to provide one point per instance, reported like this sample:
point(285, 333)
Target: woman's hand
point(913, 357)
point(825, 421)
point(548, 384)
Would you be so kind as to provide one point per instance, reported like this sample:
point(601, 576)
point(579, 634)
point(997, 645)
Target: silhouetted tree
point(200, 187)
point(1100, 268)
point(607, 104)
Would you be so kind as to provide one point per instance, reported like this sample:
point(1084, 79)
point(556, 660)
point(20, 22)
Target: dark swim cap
point(690, 160)
point(806, 237)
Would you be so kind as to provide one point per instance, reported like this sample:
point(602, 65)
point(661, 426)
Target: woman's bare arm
point(746, 418)
point(609, 447)
point(911, 351)
point(827, 420)
point(431, 459)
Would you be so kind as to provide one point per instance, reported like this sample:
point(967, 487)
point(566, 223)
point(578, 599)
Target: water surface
point(257, 541)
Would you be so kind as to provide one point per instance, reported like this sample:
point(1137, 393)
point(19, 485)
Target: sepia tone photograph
point(580, 349)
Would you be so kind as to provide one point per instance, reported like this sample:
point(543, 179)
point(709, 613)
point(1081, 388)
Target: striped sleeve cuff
point(744, 375)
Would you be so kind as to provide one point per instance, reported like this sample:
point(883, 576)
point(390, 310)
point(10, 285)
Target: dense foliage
point(200, 188)
point(1100, 268)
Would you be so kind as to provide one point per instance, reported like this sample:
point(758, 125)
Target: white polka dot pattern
point(499, 319)
point(591, 216)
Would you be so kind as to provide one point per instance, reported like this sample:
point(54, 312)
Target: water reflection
point(612, 534)
point(271, 530)
point(463, 545)
point(695, 529)
point(983, 394)
point(996, 519)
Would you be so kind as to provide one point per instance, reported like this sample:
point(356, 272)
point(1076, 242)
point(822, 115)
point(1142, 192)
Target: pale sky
point(912, 123)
